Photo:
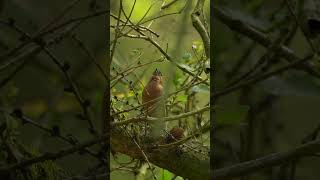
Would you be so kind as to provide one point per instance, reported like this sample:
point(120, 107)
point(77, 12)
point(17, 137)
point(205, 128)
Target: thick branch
point(186, 164)
point(267, 161)
point(198, 23)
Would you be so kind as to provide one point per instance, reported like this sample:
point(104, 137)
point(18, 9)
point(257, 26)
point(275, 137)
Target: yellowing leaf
point(140, 9)
point(35, 108)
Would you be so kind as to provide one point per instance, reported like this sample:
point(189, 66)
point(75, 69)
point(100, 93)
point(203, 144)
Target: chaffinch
point(153, 90)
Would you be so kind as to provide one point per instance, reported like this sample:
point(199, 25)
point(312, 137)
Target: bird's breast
point(153, 91)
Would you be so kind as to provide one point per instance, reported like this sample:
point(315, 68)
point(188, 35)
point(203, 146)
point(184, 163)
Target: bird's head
point(156, 76)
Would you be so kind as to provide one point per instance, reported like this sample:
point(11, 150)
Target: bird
point(153, 104)
point(151, 93)
point(176, 133)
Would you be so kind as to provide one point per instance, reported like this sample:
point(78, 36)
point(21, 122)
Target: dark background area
point(74, 33)
point(275, 114)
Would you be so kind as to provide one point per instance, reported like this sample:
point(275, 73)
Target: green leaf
point(140, 9)
point(201, 89)
point(186, 57)
point(231, 115)
point(177, 78)
point(182, 98)
point(165, 175)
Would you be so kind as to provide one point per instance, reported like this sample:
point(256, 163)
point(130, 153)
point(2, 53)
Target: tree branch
point(260, 78)
point(152, 119)
point(252, 33)
point(198, 22)
point(52, 156)
point(267, 161)
point(186, 164)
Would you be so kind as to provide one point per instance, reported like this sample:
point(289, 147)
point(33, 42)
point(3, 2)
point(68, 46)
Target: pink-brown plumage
point(152, 91)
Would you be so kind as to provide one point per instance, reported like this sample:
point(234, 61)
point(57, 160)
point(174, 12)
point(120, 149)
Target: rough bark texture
point(185, 164)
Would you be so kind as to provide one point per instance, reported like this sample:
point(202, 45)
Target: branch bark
point(267, 161)
point(198, 22)
point(187, 164)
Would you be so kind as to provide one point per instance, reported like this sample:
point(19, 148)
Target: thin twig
point(295, 17)
point(52, 156)
point(261, 77)
point(266, 161)
point(152, 119)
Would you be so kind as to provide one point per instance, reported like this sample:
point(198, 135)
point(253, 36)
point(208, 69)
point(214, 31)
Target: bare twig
point(295, 17)
point(261, 77)
point(169, 4)
point(156, 99)
point(90, 55)
point(252, 33)
point(151, 119)
point(83, 103)
point(52, 156)
point(199, 23)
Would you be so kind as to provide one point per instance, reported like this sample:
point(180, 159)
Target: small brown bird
point(152, 91)
point(175, 134)
point(154, 105)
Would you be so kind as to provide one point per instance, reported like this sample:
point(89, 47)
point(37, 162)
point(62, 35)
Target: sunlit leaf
point(165, 175)
point(130, 94)
point(182, 98)
point(140, 9)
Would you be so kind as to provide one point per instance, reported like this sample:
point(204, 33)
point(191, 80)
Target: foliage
point(157, 37)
